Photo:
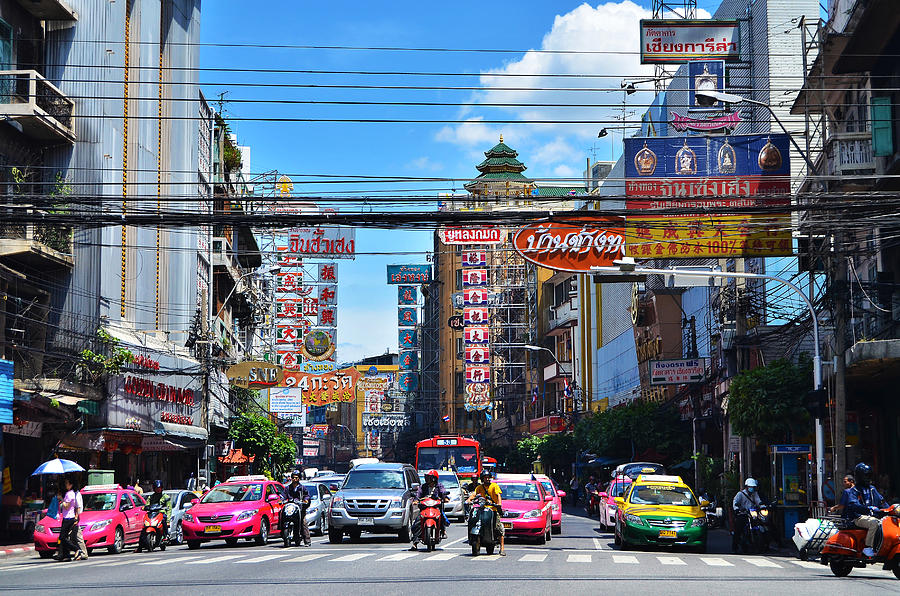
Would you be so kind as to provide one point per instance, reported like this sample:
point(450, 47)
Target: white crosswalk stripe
point(671, 561)
point(487, 557)
point(763, 563)
point(535, 558)
point(116, 564)
point(626, 559)
point(353, 557)
point(263, 558)
point(597, 544)
point(214, 560)
point(305, 558)
point(170, 560)
point(716, 562)
point(398, 556)
point(579, 559)
point(441, 557)
point(807, 564)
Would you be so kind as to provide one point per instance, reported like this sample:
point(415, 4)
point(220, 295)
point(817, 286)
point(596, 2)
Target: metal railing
point(30, 87)
point(850, 152)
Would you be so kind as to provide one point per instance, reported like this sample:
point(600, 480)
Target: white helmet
point(751, 482)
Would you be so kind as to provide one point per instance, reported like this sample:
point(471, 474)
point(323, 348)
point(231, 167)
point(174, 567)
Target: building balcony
point(42, 111)
point(555, 371)
point(850, 152)
point(37, 246)
point(562, 316)
point(49, 10)
point(223, 259)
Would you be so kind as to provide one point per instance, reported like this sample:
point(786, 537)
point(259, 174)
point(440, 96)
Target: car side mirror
point(548, 497)
point(561, 494)
point(273, 498)
point(604, 495)
point(194, 501)
point(620, 501)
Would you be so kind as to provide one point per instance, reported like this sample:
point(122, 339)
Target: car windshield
point(663, 495)
point(374, 479)
point(233, 493)
point(519, 492)
point(458, 459)
point(99, 501)
point(312, 489)
point(548, 487)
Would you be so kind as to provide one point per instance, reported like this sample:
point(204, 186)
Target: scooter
point(481, 527)
point(755, 538)
point(290, 522)
point(844, 550)
point(593, 507)
point(154, 533)
point(431, 523)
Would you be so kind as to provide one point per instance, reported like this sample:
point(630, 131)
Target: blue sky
point(552, 152)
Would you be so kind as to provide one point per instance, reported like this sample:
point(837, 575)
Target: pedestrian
point(137, 486)
point(574, 486)
point(202, 486)
point(78, 534)
point(68, 507)
point(192, 482)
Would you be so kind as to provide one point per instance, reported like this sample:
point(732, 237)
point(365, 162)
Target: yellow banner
point(702, 236)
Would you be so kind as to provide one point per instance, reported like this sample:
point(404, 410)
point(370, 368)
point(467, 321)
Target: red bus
point(450, 452)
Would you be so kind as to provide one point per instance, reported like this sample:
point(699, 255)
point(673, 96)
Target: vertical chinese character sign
point(476, 337)
point(408, 320)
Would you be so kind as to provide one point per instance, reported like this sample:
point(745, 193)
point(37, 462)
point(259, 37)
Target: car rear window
point(233, 493)
point(519, 492)
point(656, 494)
point(99, 501)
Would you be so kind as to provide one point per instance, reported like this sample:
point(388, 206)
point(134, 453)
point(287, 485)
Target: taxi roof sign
point(660, 478)
point(102, 487)
point(251, 478)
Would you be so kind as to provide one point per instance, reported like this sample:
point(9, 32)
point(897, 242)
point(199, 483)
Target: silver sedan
point(317, 513)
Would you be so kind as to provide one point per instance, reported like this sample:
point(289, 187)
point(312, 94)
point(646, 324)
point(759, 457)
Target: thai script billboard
point(409, 274)
point(675, 41)
point(573, 244)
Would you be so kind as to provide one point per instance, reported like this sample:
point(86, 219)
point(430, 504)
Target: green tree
point(767, 402)
point(95, 367)
point(627, 431)
point(258, 436)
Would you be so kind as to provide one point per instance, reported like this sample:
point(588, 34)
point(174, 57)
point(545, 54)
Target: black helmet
point(862, 472)
point(157, 484)
point(485, 474)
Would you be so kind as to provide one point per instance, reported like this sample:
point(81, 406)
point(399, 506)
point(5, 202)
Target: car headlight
point(101, 524)
point(187, 517)
point(634, 519)
point(246, 514)
point(290, 509)
point(39, 528)
point(532, 513)
point(699, 522)
point(337, 502)
point(395, 503)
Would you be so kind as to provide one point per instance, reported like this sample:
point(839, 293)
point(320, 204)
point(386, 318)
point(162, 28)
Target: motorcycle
point(154, 533)
point(593, 507)
point(290, 522)
point(844, 550)
point(481, 527)
point(755, 537)
point(432, 520)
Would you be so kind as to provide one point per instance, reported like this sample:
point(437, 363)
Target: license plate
point(366, 521)
point(668, 534)
point(211, 529)
point(507, 525)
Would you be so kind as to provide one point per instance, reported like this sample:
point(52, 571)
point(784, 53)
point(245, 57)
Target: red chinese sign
point(575, 244)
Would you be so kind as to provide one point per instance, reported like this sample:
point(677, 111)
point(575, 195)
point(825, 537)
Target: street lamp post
point(629, 265)
point(576, 401)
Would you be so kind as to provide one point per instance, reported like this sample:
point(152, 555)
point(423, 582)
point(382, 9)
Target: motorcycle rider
point(860, 501)
point(432, 489)
point(158, 497)
point(490, 491)
point(297, 492)
point(746, 499)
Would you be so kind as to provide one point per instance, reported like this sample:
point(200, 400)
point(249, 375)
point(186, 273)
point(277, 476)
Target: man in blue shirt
point(858, 502)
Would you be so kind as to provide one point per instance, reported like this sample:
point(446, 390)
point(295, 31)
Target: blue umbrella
point(57, 466)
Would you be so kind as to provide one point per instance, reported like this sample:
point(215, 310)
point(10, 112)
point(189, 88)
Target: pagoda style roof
point(500, 164)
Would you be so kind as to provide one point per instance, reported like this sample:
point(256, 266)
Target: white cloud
point(552, 152)
point(424, 164)
point(469, 133)
point(564, 171)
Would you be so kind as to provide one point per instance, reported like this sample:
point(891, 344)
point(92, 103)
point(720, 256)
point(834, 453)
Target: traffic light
point(815, 403)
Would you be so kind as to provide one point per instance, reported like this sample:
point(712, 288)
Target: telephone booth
point(791, 481)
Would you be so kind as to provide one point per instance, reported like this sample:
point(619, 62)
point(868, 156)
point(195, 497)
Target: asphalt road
point(580, 561)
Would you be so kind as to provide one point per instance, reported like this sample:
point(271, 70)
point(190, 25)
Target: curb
point(15, 551)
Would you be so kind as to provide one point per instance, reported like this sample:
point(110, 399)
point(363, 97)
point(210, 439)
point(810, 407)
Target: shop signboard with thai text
point(323, 242)
point(676, 372)
point(409, 274)
point(337, 386)
point(473, 235)
point(573, 244)
point(675, 41)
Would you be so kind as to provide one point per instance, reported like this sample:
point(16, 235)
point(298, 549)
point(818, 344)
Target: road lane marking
point(214, 560)
point(671, 561)
point(305, 558)
point(397, 557)
point(116, 564)
point(716, 562)
point(441, 557)
point(578, 559)
point(534, 558)
point(626, 559)
point(487, 557)
point(763, 563)
point(263, 558)
point(808, 564)
point(170, 560)
point(456, 541)
point(597, 544)
point(353, 557)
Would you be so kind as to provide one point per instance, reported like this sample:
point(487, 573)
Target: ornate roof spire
point(501, 137)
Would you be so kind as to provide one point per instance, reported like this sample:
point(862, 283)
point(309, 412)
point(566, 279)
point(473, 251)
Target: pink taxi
point(112, 518)
point(527, 509)
point(246, 507)
point(608, 507)
point(549, 488)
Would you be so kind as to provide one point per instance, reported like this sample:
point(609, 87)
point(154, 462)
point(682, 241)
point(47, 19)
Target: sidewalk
point(15, 550)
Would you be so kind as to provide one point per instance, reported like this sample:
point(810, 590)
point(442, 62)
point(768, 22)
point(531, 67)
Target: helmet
point(431, 474)
point(485, 474)
point(751, 483)
point(862, 472)
point(295, 473)
point(157, 484)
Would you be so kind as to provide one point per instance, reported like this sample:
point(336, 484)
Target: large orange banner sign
point(321, 389)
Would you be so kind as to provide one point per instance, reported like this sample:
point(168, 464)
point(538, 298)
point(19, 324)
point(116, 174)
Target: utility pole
point(839, 294)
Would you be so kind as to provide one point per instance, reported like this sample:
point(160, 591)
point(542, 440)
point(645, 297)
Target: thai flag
point(446, 418)
point(567, 391)
point(534, 395)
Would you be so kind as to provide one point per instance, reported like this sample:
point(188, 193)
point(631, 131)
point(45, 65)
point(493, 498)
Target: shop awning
point(181, 430)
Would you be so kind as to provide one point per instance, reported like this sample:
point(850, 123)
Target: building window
point(459, 279)
point(459, 382)
point(459, 347)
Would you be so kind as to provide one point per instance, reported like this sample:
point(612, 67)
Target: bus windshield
point(458, 459)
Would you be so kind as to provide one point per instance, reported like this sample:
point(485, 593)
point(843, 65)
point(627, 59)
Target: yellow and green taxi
point(660, 510)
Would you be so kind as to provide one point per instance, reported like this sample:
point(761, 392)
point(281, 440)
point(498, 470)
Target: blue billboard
point(409, 274)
